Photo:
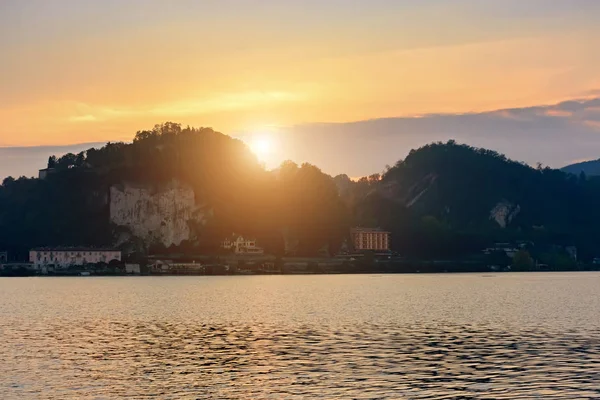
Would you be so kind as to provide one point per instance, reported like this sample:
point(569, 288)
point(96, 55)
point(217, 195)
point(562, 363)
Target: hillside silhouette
point(444, 200)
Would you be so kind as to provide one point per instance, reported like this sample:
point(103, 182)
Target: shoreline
point(74, 275)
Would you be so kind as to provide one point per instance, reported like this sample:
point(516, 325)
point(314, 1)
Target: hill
point(183, 188)
point(188, 188)
point(449, 200)
point(590, 168)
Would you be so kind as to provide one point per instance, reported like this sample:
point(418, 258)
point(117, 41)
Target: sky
point(350, 85)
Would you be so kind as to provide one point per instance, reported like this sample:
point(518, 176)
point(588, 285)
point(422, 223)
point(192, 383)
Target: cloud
point(83, 118)
point(222, 102)
point(593, 124)
point(552, 134)
point(558, 113)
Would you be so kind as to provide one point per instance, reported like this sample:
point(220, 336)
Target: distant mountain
point(26, 161)
point(590, 168)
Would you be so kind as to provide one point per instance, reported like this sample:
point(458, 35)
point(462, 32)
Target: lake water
point(462, 336)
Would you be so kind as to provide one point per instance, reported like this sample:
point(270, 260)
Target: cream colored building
point(370, 239)
point(240, 245)
point(133, 269)
point(65, 257)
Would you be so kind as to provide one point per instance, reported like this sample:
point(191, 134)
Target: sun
point(262, 146)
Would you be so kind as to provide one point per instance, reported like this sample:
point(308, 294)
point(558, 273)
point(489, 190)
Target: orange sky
point(85, 71)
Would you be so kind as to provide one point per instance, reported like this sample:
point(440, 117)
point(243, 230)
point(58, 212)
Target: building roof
point(360, 229)
point(88, 249)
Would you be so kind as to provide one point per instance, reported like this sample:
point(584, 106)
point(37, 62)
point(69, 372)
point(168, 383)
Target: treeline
point(296, 207)
point(438, 202)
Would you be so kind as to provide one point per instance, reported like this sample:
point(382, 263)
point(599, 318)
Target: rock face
point(504, 212)
point(419, 189)
point(156, 214)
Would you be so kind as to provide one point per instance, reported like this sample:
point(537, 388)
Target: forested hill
point(450, 200)
point(104, 196)
point(590, 168)
point(188, 188)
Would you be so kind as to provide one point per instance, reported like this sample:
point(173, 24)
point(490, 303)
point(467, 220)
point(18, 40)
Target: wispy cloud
point(215, 104)
point(552, 134)
point(558, 113)
point(83, 118)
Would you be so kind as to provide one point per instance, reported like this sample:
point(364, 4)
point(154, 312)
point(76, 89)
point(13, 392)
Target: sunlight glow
point(262, 146)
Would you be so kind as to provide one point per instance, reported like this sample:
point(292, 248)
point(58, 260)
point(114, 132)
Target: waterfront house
point(170, 267)
point(240, 245)
point(133, 269)
point(506, 248)
point(364, 239)
point(63, 257)
point(161, 266)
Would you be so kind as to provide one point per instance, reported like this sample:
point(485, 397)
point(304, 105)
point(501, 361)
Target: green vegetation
point(438, 204)
point(445, 201)
point(70, 206)
point(522, 261)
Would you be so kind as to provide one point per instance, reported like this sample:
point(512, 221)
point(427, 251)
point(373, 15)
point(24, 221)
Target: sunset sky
point(309, 76)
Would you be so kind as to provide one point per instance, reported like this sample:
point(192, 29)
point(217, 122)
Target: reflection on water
point(302, 337)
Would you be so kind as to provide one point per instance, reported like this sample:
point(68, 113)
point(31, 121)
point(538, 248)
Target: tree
point(8, 181)
point(116, 266)
point(51, 161)
point(522, 261)
point(66, 161)
point(80, 159)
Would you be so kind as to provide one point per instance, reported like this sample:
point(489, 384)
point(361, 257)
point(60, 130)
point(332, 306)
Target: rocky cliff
point(504, 212)
point(156, 214)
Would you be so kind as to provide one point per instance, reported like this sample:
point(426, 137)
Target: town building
point(170, 267)
point(133, 269)
point(43, 173)
point(506, 248)
point(370, 239)
point(240, 245)
point(161, 266)
point(61, 258)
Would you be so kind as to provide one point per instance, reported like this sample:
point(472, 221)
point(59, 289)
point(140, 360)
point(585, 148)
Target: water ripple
point(510, 336)
point(176, 360)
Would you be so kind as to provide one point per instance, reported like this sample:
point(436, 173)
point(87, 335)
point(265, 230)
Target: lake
point(446, 336)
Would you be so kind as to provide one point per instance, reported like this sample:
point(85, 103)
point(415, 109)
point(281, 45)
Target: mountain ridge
point(590, 168)
point(444, 200)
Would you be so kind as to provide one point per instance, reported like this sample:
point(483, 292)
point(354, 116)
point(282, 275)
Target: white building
point(65, 257)
point(505, 248)
point(133, 269)
point(240, 245)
